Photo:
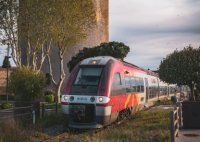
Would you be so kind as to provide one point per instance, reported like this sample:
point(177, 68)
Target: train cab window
point(117, 87)
point(88, 76)
point(87, 81)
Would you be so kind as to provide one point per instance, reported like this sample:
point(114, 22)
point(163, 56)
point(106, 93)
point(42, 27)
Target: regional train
point(101, 90)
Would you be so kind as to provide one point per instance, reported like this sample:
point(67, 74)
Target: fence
point(17, 113)
point(47, 109)
point(176, 121)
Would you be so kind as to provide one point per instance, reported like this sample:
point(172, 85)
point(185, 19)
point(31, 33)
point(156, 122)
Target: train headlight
point(65, 98)
point(100, 99)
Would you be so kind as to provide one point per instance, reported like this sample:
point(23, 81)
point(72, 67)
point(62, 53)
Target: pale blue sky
point(3, 52)
point(154, 28)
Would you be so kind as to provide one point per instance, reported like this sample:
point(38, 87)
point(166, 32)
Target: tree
point(182, 67)
point(34, 24)
point(116, 49)
point(41, 23)
point(71, 20)
point(27, 84)
point(8, 28)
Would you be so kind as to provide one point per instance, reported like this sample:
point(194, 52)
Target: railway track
point(78, 135)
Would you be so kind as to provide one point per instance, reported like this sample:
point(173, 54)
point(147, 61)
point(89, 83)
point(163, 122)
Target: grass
point(16, 131)
point(51, 120)
point(164, 102)
point(146, 126)
point(13, 131)
point(149, 126)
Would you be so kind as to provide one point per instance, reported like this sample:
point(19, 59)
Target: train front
point(86, 95)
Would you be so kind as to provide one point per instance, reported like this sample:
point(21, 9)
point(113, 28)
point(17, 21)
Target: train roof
point(100, 60)
point(103, 60)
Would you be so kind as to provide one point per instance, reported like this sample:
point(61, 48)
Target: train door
point(147, 89)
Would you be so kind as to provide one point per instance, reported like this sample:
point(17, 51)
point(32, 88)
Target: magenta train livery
point(102, 89)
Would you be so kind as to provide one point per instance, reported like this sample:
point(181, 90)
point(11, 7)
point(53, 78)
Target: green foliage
point(6, 105)
point(181, 67)
point(4, 97)
point(49, 98)
point(116, 49)
point(70, 21)
point(164, 102)
point(63, 21)
point(27, 84)
point(49, 92)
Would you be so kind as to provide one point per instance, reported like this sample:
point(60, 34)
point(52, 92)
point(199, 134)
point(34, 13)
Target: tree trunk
point(62, 77)
point(50, 70)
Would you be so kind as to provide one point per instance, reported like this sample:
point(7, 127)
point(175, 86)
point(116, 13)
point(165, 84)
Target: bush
point(49, 92)
point(27, 84)
point(6, 105)
point(4, 97)
point(49, 98)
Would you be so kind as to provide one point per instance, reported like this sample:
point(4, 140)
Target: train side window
point(128, 84)
point(137, 84)
point(117, 79)
point(127, 81)
point(117, 87)
point(133, 84)
point(141, 85)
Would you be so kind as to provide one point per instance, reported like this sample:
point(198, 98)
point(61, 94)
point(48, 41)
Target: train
point(101, 90)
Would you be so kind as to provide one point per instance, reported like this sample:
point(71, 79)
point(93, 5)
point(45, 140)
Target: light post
point(6, 64)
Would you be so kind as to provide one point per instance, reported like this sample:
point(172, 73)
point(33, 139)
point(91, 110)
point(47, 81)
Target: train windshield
point(88, 76)
point(87, 81)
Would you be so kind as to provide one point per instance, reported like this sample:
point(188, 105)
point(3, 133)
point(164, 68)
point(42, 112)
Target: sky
point(3, 53)
point(154, 28)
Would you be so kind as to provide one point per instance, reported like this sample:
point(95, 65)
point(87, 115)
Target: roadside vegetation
point(164, 102)
point(182, 68)
point(147, 126)
point(18, 131)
